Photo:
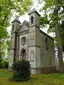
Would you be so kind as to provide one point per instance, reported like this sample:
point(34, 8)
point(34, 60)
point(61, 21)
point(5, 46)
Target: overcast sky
point(36, 6)
point(26, 17)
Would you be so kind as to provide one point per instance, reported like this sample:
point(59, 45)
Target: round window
point(23, 40)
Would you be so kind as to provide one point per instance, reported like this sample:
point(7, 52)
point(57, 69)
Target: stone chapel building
point(30, 43)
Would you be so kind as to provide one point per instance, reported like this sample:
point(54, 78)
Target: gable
point(24, 27)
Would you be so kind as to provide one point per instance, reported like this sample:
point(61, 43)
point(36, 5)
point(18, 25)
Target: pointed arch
point(23, 54)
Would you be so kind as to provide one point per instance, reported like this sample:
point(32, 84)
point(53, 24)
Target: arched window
point(23, 54)
point(46, 43)
point(32, 19)
point(31, 55)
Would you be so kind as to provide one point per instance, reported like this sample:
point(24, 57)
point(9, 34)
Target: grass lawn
point(38, 79)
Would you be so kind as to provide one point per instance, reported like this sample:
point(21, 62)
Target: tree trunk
point(59, 46)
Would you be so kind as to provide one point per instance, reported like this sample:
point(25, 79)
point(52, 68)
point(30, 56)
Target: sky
point(36, 6)
point(26, 16)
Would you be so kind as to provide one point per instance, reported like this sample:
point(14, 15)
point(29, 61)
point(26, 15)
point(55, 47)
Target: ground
point(39, 79)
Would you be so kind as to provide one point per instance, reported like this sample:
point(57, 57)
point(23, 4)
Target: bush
point(2, 65)
point(6, 62)
point(1, 58)
point(21, 70)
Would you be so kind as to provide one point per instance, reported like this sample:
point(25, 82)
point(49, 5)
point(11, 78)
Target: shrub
point(6, 62)
point(2, 65)
point(1, 58)
point(21, 70)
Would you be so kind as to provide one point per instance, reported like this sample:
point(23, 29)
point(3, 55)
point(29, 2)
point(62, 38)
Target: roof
point(34, 10)
point(46, 34)
point(26, 23)
point(17, 20)
point(22, 26)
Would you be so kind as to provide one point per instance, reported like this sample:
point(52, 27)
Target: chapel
point(30, 43)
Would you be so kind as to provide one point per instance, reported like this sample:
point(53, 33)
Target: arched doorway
point(23, 54)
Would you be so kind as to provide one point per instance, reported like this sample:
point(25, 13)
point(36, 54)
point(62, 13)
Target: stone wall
point(47, 57)
point(48, 70)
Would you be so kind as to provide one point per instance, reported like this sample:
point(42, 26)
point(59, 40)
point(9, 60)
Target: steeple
point(34, 18)
point(15, 25)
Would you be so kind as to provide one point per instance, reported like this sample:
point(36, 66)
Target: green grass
point(38, 79)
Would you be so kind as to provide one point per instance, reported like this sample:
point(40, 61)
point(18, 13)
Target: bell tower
point(13, 47)
point(34, 41)
point(34, 18)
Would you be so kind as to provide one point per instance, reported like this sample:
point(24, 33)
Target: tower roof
point(34, 10)
point(17, 20)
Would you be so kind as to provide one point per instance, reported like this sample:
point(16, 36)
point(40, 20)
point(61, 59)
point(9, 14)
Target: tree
point(7, 8)
point(53, 13)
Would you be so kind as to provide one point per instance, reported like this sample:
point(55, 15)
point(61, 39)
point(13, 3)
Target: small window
point(32, 19)
point(46, 43)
